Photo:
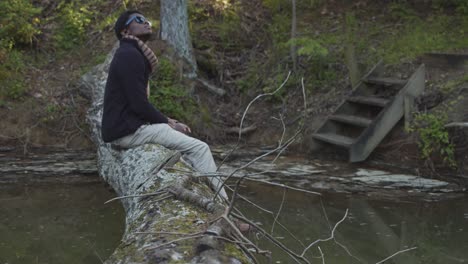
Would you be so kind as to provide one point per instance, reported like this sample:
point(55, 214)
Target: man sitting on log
point(129, 119)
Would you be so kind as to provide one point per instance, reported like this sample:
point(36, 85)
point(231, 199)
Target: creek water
point(69, 223)
point(58, 224)
point(371, 231)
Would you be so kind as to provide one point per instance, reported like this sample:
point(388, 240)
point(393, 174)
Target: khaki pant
point(196, 152)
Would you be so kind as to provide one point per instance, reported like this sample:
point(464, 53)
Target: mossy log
point(169, 215)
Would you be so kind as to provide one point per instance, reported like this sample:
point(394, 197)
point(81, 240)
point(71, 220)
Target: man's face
point(138, 26)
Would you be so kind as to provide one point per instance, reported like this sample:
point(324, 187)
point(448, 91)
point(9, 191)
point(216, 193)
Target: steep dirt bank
point(243, 48)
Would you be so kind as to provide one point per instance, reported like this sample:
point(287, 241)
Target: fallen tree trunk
point(168, 214)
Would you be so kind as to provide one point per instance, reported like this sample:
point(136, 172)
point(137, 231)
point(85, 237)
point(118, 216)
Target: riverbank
point(75, 167)
point(245, 48)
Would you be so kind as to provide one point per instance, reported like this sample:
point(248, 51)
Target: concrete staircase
point(373, 108)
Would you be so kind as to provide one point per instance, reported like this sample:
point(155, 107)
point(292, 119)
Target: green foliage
point(317, 56)
point(12, 65)
point(229, 26)
point(132, 4)
point(422, 36)
point(250, 80)
point(351, 25)
point(51, 112)
point(452, 84)
point(400, 10)
point(274, 82)
point(19, 21)
point(98, 59)
point(169, 95)
point(221, 20)
point(434, 137)
point(461, 6)
point(286, 5)
point(197, 12)
point(74, 20)
point(279, 31)
point(276, 5)
point(15, 89)
point(309, 47)
point(108, 21)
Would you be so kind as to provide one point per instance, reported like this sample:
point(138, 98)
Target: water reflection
point(58, 224)
point(372, 231)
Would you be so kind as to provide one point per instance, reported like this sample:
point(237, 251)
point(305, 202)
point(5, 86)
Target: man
point(129, 119)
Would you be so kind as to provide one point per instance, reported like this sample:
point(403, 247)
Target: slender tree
point(174, 30)
point(350, 50)
point(293, 35)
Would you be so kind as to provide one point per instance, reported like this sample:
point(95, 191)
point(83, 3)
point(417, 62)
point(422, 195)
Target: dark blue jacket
point(126, 105)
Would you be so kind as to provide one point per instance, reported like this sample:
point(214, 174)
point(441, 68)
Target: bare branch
point(135, 196)
point(251, 255)
point(169, 233)
point(280, 147)
point(321, 254)
point(239, 234)
point(236, 130)
point(396, 253)
point(245, 113)
point(254, 204)
point(279, 211)
point(174, 241)
point(332, 236)
point(279, 223)
point(347, 251)
point(248, 178)
point(292, 254)
point(212, 88)
point(325, 213)
point(164, 198)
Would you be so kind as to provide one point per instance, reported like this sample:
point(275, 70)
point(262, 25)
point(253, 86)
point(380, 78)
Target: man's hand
point(181, 127)
point(172, 122)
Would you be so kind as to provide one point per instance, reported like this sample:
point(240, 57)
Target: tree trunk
point(350, 50)
point(174, 30)
point(183, 206)
point(293, 35)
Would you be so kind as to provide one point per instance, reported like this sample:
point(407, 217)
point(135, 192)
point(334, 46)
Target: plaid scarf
point(149, 54)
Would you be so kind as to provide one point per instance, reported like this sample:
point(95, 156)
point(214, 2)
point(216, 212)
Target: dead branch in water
point(225, 220)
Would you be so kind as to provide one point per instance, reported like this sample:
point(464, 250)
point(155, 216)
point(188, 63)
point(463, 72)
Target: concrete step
point(375, 101)
point(352, 120)
point(385, 81)
point(334, 139)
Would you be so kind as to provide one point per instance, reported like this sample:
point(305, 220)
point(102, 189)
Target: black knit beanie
point(120, 23)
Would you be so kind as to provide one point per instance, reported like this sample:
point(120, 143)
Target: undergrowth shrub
point(169, 95)
point(19, 21)
point(434, 138)
point(74, 21)
point(12, 65)
point(315, 54)
point(421, 36)
point(228, 26)
point(400, 10)
point(460, 6)
point(279, 32)
point(19, 26)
